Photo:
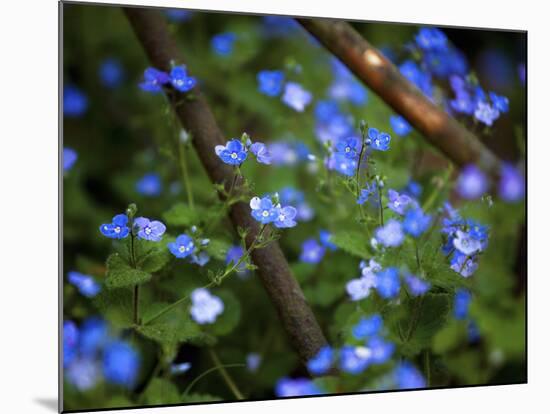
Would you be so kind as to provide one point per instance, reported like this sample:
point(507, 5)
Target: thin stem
point(136, 304)
point(225, 375)
point(417, 256)
point(438, 189)
point(205, 373)
point(185, 173)
point(427, 368)
point(381, 209)
point(245, 255)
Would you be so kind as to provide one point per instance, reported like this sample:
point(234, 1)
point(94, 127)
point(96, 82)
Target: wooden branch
point(195, 115)
point(380, 75)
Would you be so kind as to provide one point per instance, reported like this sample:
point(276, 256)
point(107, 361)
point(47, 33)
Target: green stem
point(427, 368)
point(380, 204)
point(205, 373)
point(136, 304)
point(417, 256)
point(225, 375)
point(185, 173)
point(245, 255)
point(438, 189)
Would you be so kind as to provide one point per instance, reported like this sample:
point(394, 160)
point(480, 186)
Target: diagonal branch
point(195, 115)
point(380, 75)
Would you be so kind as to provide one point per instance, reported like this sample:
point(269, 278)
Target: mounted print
point(263, 207)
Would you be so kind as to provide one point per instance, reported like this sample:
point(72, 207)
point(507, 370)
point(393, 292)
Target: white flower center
point(117, 229)
point(363, 352)
point(182, 249)
point(281, 217)
point(234, 155)
point(265, 213)
point(348, 149)
point(179, 82)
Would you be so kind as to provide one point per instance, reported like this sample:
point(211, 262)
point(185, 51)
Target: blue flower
point(463, 264)
point(296, 97)
point(367, 327)
point(325, 239)
point(296, 387)
point(466, 244)
point(343, 164)
point(416, 222)
point(270, 82)
point(70, 342)
point(289, 195)
point(149, 230)
point(417, 286)
point(205, 307)
point(417, 76)
point(222, 44)
point(486, 113)
point(413, 189)
point(399, 203)
point(75, 102)
point(339, 126)
point(381, 351)
point(261, 152)
point(94, 335)
point(253, 361)
point(111, 72)
point(369, 190)
point(69, 158)
point(312, 252)
point(472, 183)
point(285, 217)
point(234, 253)
point(149, 185)
point(360, 288)
point(178, 15)
point(180, 80)
point(182, 247)
point(463, 103)
point(377, 140)
point(431, 38)
point(462, 304)
point(391, 234)
point(345, 86)
point(121, 364)
point(387, 283)
point(347, 147)
point(407, 376)
point(181, 368)
point(263, 210)
point(153, 80)
point(400, 126)
point(117, 229)
point(320, 364)
point(511, 187)
point(233, 153)
point(85, 284)
point(501, 103)
point(354, 359)
point(83, 373)
point(326, 110)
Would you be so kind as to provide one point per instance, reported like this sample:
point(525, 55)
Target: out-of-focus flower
point(205, 307)
point(296, 97)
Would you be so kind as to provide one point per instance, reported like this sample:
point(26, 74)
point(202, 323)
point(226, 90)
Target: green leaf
point(181, 215)
point(218, 248)
point(353, 242)
point(155, 259)
point(449, 337)
point(120, 274)
point(161, 391)
point(116, 306)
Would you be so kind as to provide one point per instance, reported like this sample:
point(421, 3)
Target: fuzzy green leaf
point(181, 215)
point(352, 242)
point(120, 274)
point(161, 391)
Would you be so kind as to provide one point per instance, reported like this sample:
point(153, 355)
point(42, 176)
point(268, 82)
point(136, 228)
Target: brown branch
point(195, 115)
point(380, 75)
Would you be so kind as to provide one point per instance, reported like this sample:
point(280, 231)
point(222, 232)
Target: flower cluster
point(190, 248)
point(473, 183)
point(272, 83)
point(266, 211)
point(154, 80)
point(235, 151)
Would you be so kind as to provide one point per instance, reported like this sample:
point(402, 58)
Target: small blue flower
point(182, 247)
point(381, 351)
point(181, 368)
point(391, 234)
point(234, 253)
point(419, 77)
point(180, 80)
point(387, 283)
point(486, 113)
point(149, 230)
point(343, 164)
point(69, 158)
point(253, 361)
point(472, 183)
point(431, 38)
point(70, 342)
point(149, 185)
point(511, 187)
point(326, 110)
point(263, 210)
point(270, 82)
point(94, 335)
point(463, 264)
point(368, 327)
point(320, 364)
point(117, 229)
point(296, 387)
point(222, 44)
point(325, 239)
point(501, 103)
point(153, 80)
point(296, 97)
point(462, 304)
point(200, 259)
point(407, 376)
point(312, 252)
point(85, 284)
point(285, 217)
point(205, 307)
point(399, 203)
point(75, 102)
point(463, 103)
point(400, 126)
point(83, 373)
point(466, 244)
point(417, 286)
point(474, 334)
point(416, 222)
point(261, 152)
point(233, 153)
point(347, 147)
point(377, 140)
point(413, 189)
point(121, 364)
point(360, 288)
point(354, 359)
point(111, 73)
point(369, 190)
